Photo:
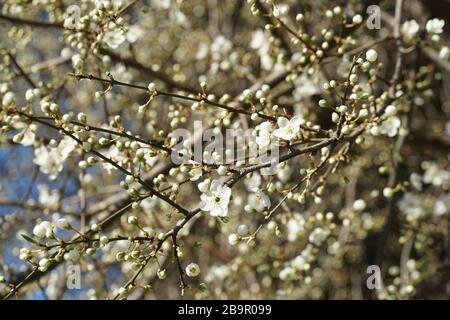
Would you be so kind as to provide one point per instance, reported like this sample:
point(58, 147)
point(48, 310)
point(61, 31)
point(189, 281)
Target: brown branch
point(21, 71)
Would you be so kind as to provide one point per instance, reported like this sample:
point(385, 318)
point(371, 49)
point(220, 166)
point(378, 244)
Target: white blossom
point(192, 270)
point(253, 181)
point(416, 181)
point(444, 53)
point(409, 29)
point(259, 200)
point(411, 205)
point(134, 33)
point(442, 205)
point(51, 159)
point(8, 99)
point(242, 230)
point(295, 226)
point(263, 133)
point(44, 263)
point(114, 38)
point(43, 230)
point(359, 205)
point(196, 172)
point(435, 175)
point(233, 239)
point(216, 200)
point(27, 136)
point(371, 55)
point(288, 129)
point(260, 43)
point(318, 236)
point(63, 224)
point(390, 127)
point(435, 26)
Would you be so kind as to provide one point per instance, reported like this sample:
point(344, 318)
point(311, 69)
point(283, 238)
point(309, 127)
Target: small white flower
point(161, 4)
point(63, 224)
point(300, 263)
point(66, 53)
point(259, 200)
point(252, 181)
point(318, 236)
point(50, 160)
point(390, 110)
point(220, 48)
point(43, 230)
point(233, 239)
point(357, 19)
point(409, 30)
point(286, 273)
point(411, 205)
point(150, 160)
point(44, 263)
point(114, 38)
point(444, 53)
point(192, 270)
point(103, 240)
point(132, 220)
point(371, 55)
point(260, 43)
point(162, 274)
point(359, 205)
point(39, 231)
point(335, 117)
point(284, 173)
point(66, 146)
point(263, 133)
point(442, 205)
point(202, 51)
point(134, 33)
point(151, 87)
point(363, 113)
point(204, 185)
point(77, 61)
point(29, 95)
point(216, 199)
point(295, 226)
point(288, 129)
point(24, 254)
point(242, 230)
point(436, 176)
point(390, 127)
point(375, 130)
point(72, 17)
point(8, 99)
point(196, 172)
point(416, 181)
point(27, 136)
point(222, 170)
point(435, 26)
point(388, 192)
